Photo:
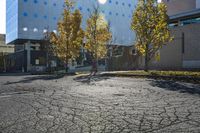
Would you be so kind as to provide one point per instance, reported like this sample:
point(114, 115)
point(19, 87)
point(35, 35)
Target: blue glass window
point(45, 16)
point(35, 15)
point(35, 1)
point(80, 8)
point(25, 14)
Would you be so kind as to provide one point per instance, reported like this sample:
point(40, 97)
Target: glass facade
point(190, 21)
point(11, 20)
point(185, 22)
point(29, 19)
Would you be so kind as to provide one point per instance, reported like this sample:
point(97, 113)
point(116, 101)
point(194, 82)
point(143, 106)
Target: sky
point(2, 16)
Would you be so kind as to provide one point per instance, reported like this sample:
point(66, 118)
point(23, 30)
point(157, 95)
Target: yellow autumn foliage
point(150, 23)
point(69, 36)
point(97, 35)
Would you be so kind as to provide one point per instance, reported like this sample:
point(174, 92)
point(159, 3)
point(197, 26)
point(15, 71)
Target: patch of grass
point(185, 76)
point(176, 73)
point(160, 73)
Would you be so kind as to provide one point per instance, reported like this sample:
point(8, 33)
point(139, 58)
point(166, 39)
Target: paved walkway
point(40, 104)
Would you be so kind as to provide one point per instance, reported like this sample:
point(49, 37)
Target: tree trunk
point(66, 64)
point(97, 63)
point(94, 66)
point(66, 67)
point(47, 63)
point(146, 68)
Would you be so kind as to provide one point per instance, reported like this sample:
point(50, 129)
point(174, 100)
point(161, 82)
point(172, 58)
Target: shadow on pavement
point(177, 86)
point(14, 74)
point(88, 79)
point(39, 77)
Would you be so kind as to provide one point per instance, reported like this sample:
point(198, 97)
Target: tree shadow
point(39, 77)
point(87, 79)
point(181, 87)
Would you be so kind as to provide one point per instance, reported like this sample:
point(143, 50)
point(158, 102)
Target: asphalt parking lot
point(71, 104)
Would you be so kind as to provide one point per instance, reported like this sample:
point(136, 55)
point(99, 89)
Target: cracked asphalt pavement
point(71, 104)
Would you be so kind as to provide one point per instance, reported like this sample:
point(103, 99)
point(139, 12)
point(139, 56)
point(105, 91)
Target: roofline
point(185, 15)
point(22, 41)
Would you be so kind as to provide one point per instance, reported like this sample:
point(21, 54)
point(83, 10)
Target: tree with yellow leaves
point(97, 35)
point(149, 22)
point(69, 38)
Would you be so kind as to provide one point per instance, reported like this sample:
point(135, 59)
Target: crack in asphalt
point(110, 105)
